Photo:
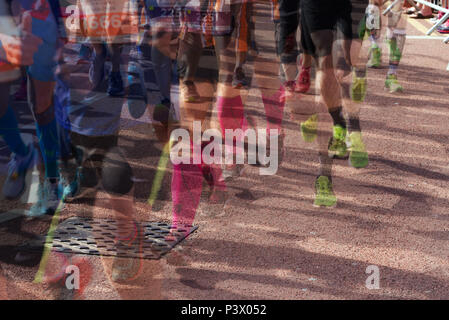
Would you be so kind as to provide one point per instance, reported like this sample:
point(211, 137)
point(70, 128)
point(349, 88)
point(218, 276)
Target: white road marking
point(32, 185)
point(425, 38)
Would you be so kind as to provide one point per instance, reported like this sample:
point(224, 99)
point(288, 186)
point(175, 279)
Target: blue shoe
point(36, 209)
point(50, 197)
point(115, 88)
point(72, 188)
point(53, 195)
point(17, 169)
point(71, 175)
point(137, 92)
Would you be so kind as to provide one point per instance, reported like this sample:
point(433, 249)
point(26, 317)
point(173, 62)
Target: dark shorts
point(321, 18)
point(103, 160)
point(285, 30)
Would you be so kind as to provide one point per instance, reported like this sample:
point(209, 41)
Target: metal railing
point(434, 4)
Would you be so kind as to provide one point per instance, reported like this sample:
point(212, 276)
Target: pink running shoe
point(303, 82)
point(444, 28)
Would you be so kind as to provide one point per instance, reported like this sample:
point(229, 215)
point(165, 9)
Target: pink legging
point(231, 116)
point(187, 179)
point(274, 109)
point(187, 185)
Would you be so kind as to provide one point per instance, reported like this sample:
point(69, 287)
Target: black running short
point(103, 159)
point(320, 18)
point(285, 30)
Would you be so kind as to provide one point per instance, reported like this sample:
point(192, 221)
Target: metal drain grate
point(97, 237)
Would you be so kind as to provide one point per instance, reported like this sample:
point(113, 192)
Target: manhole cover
point(97, 237)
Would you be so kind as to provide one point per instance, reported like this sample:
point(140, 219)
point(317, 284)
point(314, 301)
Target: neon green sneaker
point(375, 57)
point(309, 128)
point(392, 84)
point(324, 195)
point(395, 52)
point(337, 144)
point(358, 88)
point(358, 157)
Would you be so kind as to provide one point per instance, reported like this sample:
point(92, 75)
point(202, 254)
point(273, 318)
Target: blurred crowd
point(79, 64)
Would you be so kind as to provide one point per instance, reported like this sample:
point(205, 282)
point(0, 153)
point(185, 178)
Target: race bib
point(102, 19)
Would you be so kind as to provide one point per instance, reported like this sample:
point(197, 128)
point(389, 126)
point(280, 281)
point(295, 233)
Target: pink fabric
point(274, 109)
point(230, 113)
point(212, 173)
point(231, 116)
point(187, 185)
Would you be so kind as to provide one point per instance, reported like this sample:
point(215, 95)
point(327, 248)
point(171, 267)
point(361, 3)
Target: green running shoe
point(309, 128)
point(337, 144)
point(392, 84)
point(358, 88)
point(324, 195)
point(375, 57)
point(395, 51)
point(358, 157)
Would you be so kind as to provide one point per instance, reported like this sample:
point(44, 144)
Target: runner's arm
point(17, 44)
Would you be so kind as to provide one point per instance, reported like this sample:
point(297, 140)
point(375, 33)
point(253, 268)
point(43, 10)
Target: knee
point(325, 63)
point(44, 104)
point(44, 113)
point(41, 101)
